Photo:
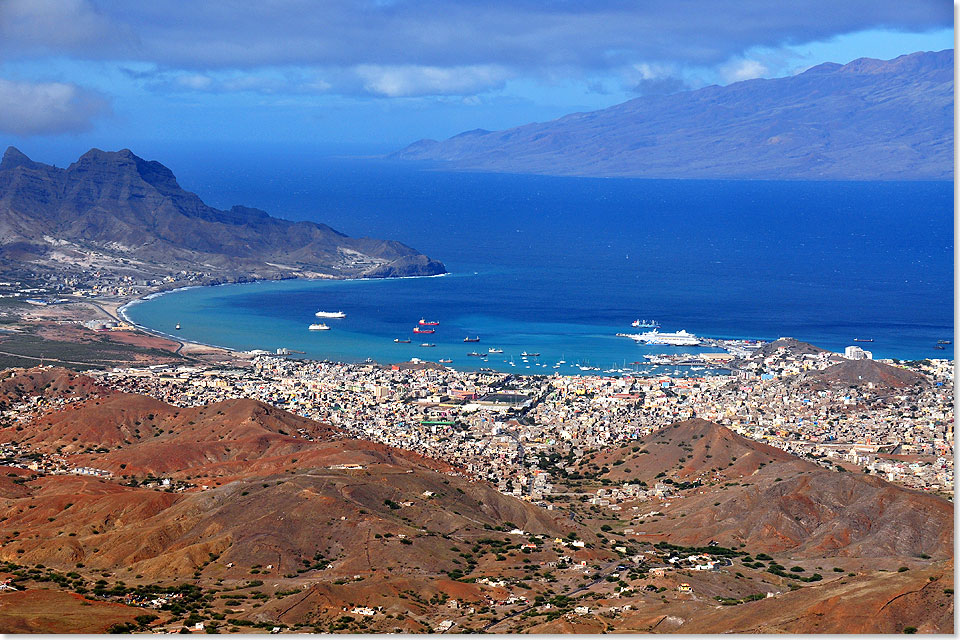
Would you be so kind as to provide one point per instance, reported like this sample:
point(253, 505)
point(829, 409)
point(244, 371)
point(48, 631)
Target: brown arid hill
point(115, 209)
point(137, 435)
point(794, 346)
point(354, 519)
point(869, 602)
point(685, 451)
point(763, 497)
point(881, 602)
point(860, 373)
point(19, 384)
point(48, 612)
point(270, 491)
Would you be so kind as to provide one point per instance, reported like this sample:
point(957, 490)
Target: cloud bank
point(48, 108)
point(520, 34)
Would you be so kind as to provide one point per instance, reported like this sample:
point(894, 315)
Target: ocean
point(558, 266)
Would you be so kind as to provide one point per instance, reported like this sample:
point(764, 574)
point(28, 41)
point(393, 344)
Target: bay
point(560, 265)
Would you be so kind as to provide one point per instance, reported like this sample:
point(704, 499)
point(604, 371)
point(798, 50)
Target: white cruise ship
point(319, 327)
point(678, 339)
point(330, 314)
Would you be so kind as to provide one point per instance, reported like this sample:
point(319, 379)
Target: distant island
point(124, 218)
point(866, 120)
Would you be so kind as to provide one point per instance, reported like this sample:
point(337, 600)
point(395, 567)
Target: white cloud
point(418, 80)
point(48, 108)
point(195, 81)
point(738, 70)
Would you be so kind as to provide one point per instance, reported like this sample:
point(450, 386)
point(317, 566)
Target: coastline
point(364, 350)
point(121, 310)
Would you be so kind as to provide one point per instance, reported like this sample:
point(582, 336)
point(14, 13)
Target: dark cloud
point(437, 33)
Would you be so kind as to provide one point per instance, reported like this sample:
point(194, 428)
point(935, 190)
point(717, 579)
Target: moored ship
point(679, 338)
point(645, 324)
point(469, 339)
point(428, 323)
point(419, 330)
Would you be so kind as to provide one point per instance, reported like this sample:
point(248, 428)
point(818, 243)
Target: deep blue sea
point(560, 265)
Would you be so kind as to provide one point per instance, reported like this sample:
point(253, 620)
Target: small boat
point(330, 314)
point(939, 346)
point(863, 339)
point(177, 327)
point(469, 339)
point(319, 327)
point(427, 323)
point(419, 330)
point(399, 341)
point(531, 355)
point(938, 341)
point(494, 350)
point(427, 344)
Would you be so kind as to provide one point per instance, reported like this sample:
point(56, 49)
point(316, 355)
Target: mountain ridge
point(115, 207)
point(865, 120)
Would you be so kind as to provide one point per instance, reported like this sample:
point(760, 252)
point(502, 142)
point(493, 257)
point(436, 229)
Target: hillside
point(117, 210)
point(754, 494)
point(866, 120)
point(861, 373)
point(256, 491)
point(249, 517)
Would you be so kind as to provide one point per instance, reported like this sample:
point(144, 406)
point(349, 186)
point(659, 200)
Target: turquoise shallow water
point(271, 315)
point(560, 265)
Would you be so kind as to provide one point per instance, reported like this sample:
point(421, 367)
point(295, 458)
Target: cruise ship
point(319, 327)
point(678, 338)
point(330, 314)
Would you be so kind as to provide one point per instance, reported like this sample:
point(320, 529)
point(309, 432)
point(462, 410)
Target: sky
point(370, 76)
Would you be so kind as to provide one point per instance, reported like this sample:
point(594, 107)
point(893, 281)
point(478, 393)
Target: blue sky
point(376, 75)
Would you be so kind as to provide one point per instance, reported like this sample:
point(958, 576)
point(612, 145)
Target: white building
point(856, 353)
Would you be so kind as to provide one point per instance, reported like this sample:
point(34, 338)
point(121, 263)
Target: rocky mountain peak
point(13, 157)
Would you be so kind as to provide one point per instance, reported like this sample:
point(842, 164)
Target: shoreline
point(121, 310)
point(122, 313)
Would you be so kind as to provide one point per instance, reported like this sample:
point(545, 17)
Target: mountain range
point(866, 120)
point(118, 211)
